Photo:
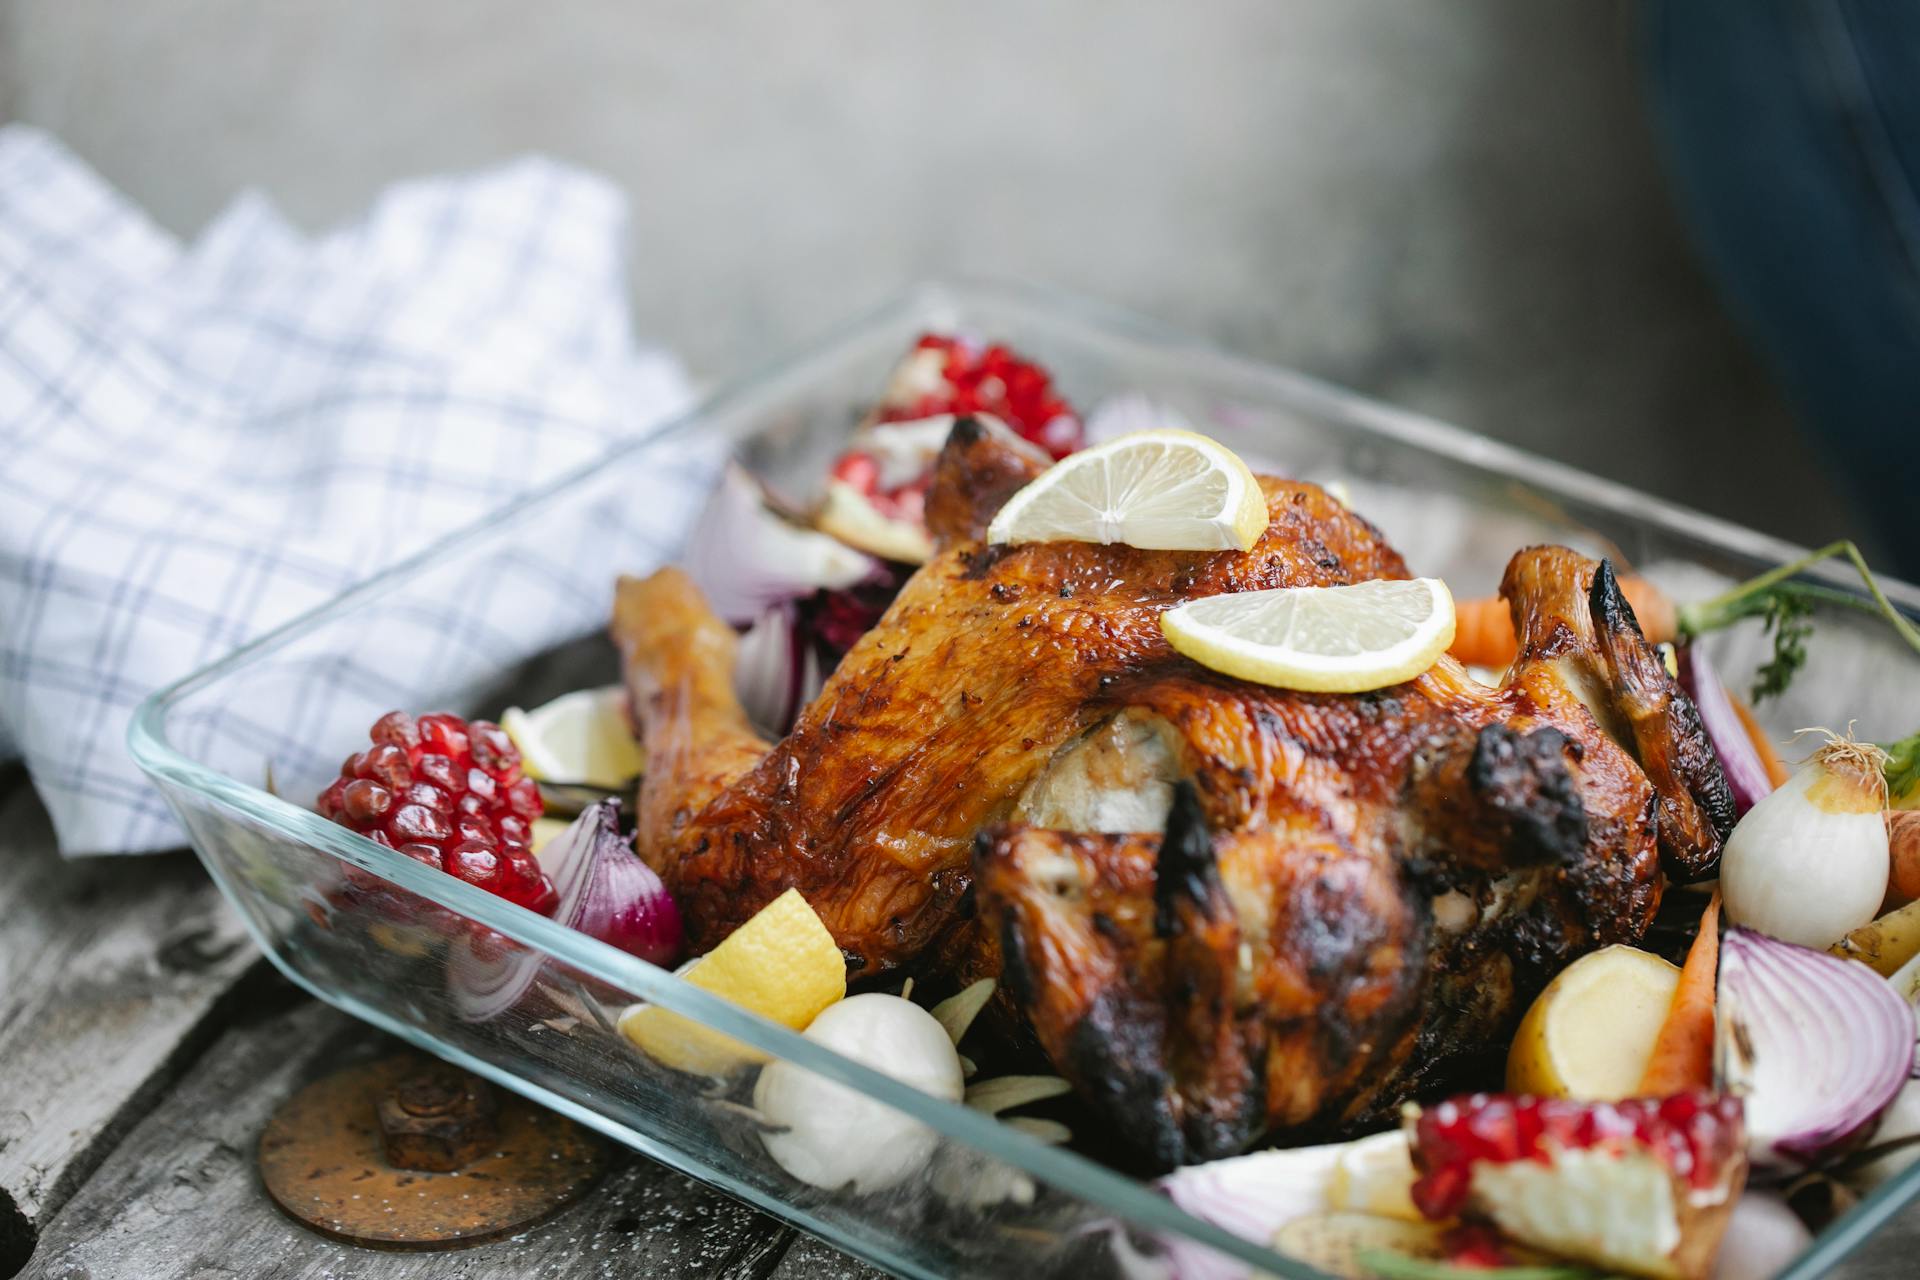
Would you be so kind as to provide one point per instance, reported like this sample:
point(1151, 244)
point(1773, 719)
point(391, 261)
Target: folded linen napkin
point(198, 442)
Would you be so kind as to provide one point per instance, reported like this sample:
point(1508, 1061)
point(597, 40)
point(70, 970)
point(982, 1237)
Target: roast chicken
point(1225, 911)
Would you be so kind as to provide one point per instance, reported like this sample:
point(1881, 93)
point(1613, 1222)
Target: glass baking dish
point(343, 917)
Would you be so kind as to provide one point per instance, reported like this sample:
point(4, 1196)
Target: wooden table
point(143, 1043)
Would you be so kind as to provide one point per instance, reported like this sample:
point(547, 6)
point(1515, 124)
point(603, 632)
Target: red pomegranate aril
point(477, 831)
point(426, 853)
point(396, 728)
point(523, 797)
point(448, 794)
point(444, 735)
point(861, 471)
point(387, 764)
point(474, 862)
point(428, 796)
point(492, 749)
point(417, 822)
point(365, 800)
point(439, 770)
point(331, 799)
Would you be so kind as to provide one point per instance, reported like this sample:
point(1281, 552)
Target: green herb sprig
point(1786, 607)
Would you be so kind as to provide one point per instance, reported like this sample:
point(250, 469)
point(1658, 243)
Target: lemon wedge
point(1164, 490)
point(1320, 639)
point(578, 737)
point(781, 964)
point(1590, 1033)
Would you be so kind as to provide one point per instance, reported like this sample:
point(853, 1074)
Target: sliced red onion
point(605, 892)
point(1739, 760)
point(776, 671)
point(746, 557)
point(1250, 1196)
point(1816, 1046)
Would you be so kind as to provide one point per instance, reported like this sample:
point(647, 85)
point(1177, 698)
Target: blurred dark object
point(1793, 131)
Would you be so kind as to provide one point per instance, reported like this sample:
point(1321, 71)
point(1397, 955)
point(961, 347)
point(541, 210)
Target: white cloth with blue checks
point(200, 441)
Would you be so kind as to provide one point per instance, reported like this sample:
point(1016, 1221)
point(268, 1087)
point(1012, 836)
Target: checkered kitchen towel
point(198, 442)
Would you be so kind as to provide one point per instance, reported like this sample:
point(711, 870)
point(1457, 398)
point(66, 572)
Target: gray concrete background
point(1454, 206)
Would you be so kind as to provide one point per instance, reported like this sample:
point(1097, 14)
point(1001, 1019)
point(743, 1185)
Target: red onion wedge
point(1817, 1046)
point(604, 891)
point(1746, 773)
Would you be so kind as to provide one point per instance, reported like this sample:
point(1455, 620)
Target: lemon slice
point(781, 964)
point(579, 737)
point(1320, 639)
point(1164, 490)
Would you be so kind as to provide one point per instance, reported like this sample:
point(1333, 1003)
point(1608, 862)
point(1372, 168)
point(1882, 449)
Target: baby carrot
point(1775, 766)
point(1683, 1051)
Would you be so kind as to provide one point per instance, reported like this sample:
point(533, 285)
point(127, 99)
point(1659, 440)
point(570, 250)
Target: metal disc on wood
point(324, 1157)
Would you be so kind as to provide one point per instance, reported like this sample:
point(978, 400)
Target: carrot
point(1777, 771)
point(1483, 628)
point(1483, 632)
point(1683, 1051)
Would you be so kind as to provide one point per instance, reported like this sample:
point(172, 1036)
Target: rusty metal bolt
point(438, 1120)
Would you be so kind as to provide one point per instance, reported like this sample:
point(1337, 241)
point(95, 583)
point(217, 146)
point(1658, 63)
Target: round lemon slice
point(578, 737)
point(1163, 490)
point(1320, 639)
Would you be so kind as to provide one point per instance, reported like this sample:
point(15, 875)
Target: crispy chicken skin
point(926, 734)
point(1225, 910)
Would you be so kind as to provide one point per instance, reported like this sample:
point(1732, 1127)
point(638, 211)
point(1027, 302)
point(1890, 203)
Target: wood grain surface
point(112, 976)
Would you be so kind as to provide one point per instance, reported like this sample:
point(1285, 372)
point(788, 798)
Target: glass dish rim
point(1080, 1176)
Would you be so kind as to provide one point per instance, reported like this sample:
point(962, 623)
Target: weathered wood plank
point(809, 1258)
point(112, 972)
point(179, 1199)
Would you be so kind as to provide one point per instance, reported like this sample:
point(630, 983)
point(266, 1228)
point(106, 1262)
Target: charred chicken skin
point(1225, 910)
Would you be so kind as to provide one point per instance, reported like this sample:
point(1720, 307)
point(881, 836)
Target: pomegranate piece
point(887, 467)
point(447, 793)
point(958, 375)
point(1643, 1185)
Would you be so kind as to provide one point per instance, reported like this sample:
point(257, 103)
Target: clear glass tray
point(1456, 504)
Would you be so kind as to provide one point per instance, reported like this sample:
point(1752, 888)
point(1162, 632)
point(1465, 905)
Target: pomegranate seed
point(492, 749)
point(417, 822)
point(480, 783)
point(428, 795)
point(477, 831)
point(474, 862)
point(396, 728)
point(364, 800)
point(440, 771)
point(858, 470)
point(523, 797)
point(429, 854)
point(388, 764)
point(331, 799)
point(443, 734)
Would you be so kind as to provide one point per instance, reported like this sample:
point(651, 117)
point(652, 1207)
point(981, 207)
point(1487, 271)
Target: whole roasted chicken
point(1225, 910)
